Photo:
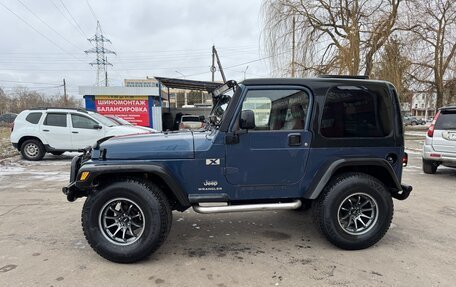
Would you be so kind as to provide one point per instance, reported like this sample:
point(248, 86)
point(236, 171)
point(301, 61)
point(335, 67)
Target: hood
point(124, 130)
point(172, 145)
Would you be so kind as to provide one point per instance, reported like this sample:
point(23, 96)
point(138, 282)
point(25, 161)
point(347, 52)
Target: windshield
point(220, 106)
point(122, 121)
point(102, 119)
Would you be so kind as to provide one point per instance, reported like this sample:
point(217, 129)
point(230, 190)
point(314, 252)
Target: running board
point(248, 207)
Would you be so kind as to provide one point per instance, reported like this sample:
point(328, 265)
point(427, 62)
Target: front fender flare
point(96, 170)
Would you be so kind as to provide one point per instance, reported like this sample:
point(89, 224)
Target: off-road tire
point(32, 150)
point(157, 215)
point(429, 166)
point(326, 207)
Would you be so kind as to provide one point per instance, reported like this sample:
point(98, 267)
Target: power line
point(71, 15)
point(69, 21)
point(47, 25)
point(25, 82)
point(91, 10)
point(31, 26)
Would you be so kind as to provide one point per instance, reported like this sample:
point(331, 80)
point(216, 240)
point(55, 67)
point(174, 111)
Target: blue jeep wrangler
point(333, 143)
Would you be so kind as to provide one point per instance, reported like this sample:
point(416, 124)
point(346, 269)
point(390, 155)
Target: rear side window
point(33, 118)
point(81, 122)
point(356, 111)
point(56, 120)
point(446, 121)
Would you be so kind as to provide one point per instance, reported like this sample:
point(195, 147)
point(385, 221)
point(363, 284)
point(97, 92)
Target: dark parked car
point(413, 121)
point(7, 119)
point(334, 143)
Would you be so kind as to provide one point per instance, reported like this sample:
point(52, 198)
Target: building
point(423, 105)
point(141, 83)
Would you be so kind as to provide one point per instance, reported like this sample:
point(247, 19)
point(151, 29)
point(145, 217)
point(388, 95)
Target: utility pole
point(219, 64)
point(65, 98)
point(101, 60)
point(213, 69)
point(293, 26)
point(245, 71)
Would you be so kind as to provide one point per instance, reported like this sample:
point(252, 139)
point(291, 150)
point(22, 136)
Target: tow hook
point(404, 193)
point(72, 192)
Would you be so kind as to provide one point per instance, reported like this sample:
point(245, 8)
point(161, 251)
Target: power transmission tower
point(101, 60)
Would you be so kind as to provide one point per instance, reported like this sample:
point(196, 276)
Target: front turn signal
point(84, 175)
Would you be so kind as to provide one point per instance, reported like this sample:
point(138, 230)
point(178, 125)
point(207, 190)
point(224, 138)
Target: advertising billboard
point(134, 109)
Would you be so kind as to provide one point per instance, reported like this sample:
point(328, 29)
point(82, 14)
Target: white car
point(440, 144)
point(56, 130)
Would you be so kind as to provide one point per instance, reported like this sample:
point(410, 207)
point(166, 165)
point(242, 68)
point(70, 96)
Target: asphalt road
point(42, 244)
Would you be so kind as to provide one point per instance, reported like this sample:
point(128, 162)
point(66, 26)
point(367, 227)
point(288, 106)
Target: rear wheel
point(354, 211)
point(126, 221)
point(32, 149)
point(429, 166)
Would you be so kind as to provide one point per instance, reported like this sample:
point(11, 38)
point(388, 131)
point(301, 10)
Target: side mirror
point(247, 120)
point(97, 127)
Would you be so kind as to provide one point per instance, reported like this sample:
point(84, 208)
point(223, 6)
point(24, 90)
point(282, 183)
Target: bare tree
point(434, 43)
point(22, 98)
point(331, 36)
point(394, 66)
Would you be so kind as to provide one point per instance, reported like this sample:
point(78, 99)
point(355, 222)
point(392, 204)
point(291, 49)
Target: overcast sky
point(45, 42)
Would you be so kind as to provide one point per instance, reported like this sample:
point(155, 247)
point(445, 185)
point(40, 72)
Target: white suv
point(440, 144)
point(56, 130)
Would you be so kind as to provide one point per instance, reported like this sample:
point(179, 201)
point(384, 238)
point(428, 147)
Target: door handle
point(294, 139)
point(75, 132)
point(45, 130)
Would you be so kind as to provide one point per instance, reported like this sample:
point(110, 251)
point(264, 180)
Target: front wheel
point(127, 220)
point(354, 211)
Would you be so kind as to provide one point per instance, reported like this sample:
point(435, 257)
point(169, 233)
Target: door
point(85, 131)
point(276, 150)
point(56, 132)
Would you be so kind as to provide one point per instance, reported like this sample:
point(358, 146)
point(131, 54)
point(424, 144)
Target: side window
point(56, 120)
point(33, 118)
point(356, 111)
point(81, 122)
point(278, 109)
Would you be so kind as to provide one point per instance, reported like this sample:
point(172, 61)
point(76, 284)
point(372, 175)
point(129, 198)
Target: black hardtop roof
point(311, 82)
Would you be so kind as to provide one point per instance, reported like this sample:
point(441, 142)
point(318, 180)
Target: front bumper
point(71, 191)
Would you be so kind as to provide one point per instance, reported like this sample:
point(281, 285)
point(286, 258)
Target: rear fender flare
point(324, 175)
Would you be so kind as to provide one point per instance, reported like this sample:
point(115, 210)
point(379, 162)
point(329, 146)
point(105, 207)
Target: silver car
point(440, 144)
point(190, 122)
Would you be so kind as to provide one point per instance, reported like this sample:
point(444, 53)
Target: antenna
point(101, 60)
